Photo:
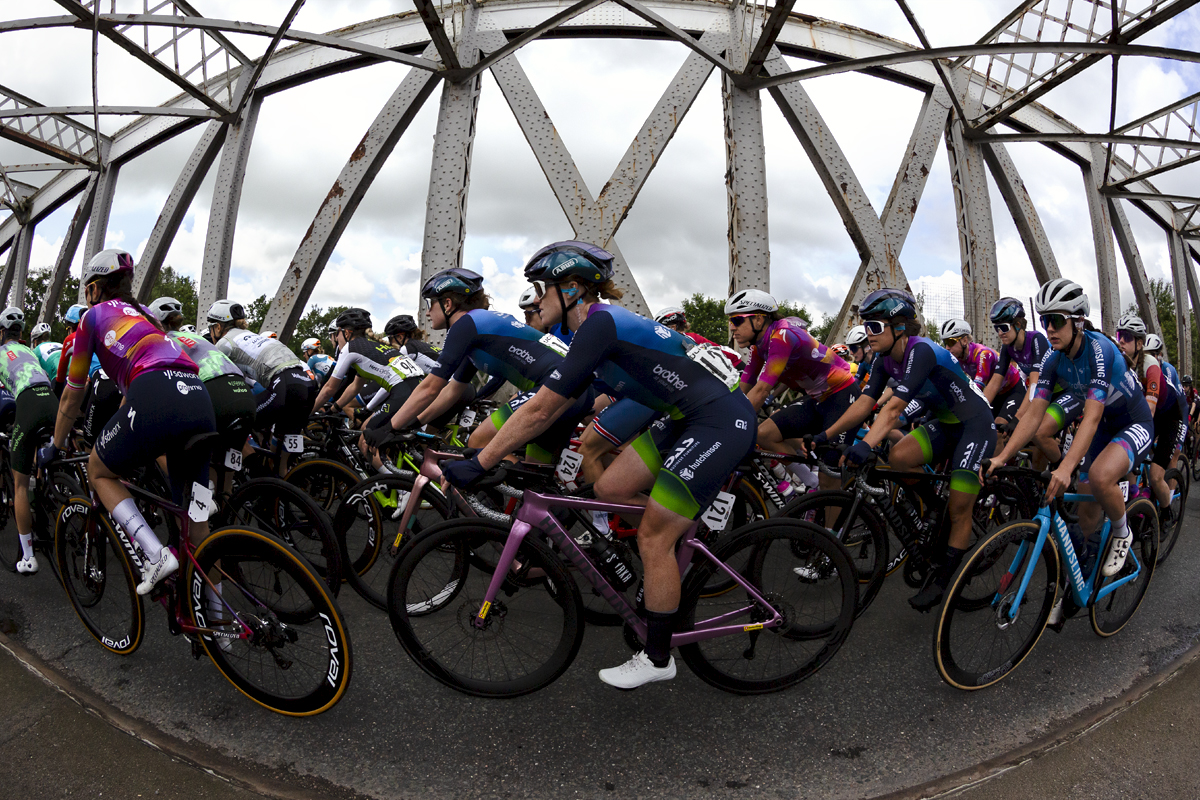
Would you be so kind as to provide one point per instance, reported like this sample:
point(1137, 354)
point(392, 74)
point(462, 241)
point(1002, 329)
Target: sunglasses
point(1054, 321)
point(875, 327)
point(738, 320)
point(1003, 327)
point(1125, 336)
point(951, 342)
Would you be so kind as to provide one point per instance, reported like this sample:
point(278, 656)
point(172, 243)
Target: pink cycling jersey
point(793, 357)
point(980, 363)
point(126, 343)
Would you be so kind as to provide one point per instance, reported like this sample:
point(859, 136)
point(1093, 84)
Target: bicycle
point(243, 597)
point(999, 603)
point(49, 489)
point(1171, 524)
point(492, 611)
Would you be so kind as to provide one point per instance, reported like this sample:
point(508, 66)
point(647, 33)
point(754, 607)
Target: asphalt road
point(877, 719)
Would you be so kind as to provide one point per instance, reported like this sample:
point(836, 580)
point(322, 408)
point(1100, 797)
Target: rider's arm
point(351, 392)
point(1026, 428)
point(526, 423)
point(425, 393)
point(862, 407)
point(758, 395)
point(749, 377)
point(76, 382)
point(1028, 395)
point(447, 399)
point(885, 423)
point(336, 375)
point(993, 386)
point(1153, 386)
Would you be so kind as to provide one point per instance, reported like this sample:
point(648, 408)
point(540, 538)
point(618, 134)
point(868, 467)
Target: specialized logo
point(669, 377)
point(662, 332)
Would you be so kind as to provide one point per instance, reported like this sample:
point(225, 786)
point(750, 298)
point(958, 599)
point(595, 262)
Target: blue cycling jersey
point(930, 374)
point(1174, 384)
point(320, 364)
point(496, 344)
point(1098, 372)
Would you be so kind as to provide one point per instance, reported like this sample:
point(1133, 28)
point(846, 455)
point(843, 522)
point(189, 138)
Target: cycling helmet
point(332, 327)
point(856, 336)
point(187, 328)
point(356, 319)
point(401, 323)
point(1186, 380)
point(1007, 309)
point(843, 352)
point(671, 315)
point(1132, 323)
point(309, 344)
point(563, 261)
point(165, 307)
point(455, 279)
point(529, 298)
point(105, 263)
point(12, 319)
point(39, 330)
point(954, 328)
point(226, 311)
point(1154, 342)
point(888, 303)
point(1062, 296)
point(75, 313)
point(751, 301)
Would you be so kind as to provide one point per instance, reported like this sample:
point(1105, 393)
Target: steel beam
point(1147, 308)
point(1183, 274)
point(746, 189)
point(911, 177)
point(1106, 254)
point(17, 269)
point(106, 187)
point(66, 252)
point(222, 218)
point(976, 236)
point(437, 33)
point(177, 205)
point(339, 205)
point(1157, 144)
point(37, 127)
point(512, 45)
point(1024, 213)
point(772, 27)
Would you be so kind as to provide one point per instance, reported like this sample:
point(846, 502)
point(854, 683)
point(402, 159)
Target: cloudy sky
point(598, 93)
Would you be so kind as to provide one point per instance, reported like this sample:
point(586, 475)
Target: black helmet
point(563, 261)
point(1007, 309)
point(455, 279)
point(1187, 380)
point(888, 303)
point(402, 323)
point(356, 319)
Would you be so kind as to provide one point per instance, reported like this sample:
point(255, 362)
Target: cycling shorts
point(163, 410)
point(1065, 409)
point(623, 420)
point(1134, 437)
point(231, 400)
point(701, 452)
point(1166, 442)
point(1007, 404)
point(287, 402)
point(36, 410)
point(397, 396)
point(966, 444)
point(808, 417)
point(545, 447)
point(104, 400)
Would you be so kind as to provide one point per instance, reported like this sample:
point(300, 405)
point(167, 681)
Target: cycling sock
point(128, 517)
point(1120, 527)
point(659, 627)
point(27, 545)
point(954, 558)
point(804, 473)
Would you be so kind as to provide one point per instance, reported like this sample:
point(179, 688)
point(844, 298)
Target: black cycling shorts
point(36, 410)
point(810, 417)
point(287, 403)
point(1065, 409)
point(1166, 429)
point(624, 419)
point(966, 444)
point(547, 445)
point(104, 400)
point(231, 400)
point(1007, 404)
point(163, 410)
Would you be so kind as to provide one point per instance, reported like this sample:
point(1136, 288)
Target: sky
point(598, 93)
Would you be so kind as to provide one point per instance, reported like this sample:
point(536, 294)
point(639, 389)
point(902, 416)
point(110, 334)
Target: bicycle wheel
point(977, 642)
point(324, 480)
point(98, 576)
point(10, 539)
point(865, 535)
point(370, 540)
point(296, 657)
point(1111, 612)
point(530, 634)
point(1169, 534)
point(278, 507)
point(817, 610)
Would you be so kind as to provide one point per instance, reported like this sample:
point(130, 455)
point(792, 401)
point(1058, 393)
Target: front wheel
point(1113, 610)
point(10, 540)
point(284, 643)
point(1179, 483)
point(984, 631)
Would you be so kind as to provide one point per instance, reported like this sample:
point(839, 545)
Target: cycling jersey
point(496, 344)
point(1152, 380)
point(259, 357)
point(126, 342)
point(981, 363)
point(48, 355)
point(20, 368)
point(1098, 373)
point(789, 354)
point(729, 353)
point(929, 373)
point(211, 362)
point(1173, 386)
point(320, 365)
point(1028, 358)
point(425, 354)
point(64, 360)
point(378, 363)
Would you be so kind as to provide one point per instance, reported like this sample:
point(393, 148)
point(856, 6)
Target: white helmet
point(671, 315)
point(39, 330)
point(529, 298)
point(332, 327)
point(1062, 296)
point(187, 328)
point(107, 262)
point(751, 301)
point(954, 328)
point(1132, 323)
point(1154, 343)
point(165, 307)
point(309, 344)
point(12, 319)
point(226, 311)
point(856, 336)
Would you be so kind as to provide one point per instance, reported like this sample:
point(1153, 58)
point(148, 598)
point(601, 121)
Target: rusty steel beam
point(97, 231)
point(976, 235)
point(66, 252)
point(1183, 274)
point(512, 45)
point(1147, 308)
point(1024, 213)
point(1102, 236)
point(17, 268)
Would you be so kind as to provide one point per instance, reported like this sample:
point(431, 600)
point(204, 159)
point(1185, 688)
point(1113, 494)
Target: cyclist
point(1026, 349)
point(1002, 389)
point(962, 427)
point(48, 353)
point(528, 303)
point(1171, 379)
point(1116, 427)
point(319, 363)
point(498, 344)
point(683, 459)
point(404, 334)
point(782, 351)
point(284, 405)
point(23, 376)
point(164, 399)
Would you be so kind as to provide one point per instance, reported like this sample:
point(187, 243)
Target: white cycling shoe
point(636, 672)
point(28, 566)
point(1118, 549)
point(153, 573)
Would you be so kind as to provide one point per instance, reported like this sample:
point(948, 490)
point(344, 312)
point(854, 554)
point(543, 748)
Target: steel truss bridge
point(978, 97)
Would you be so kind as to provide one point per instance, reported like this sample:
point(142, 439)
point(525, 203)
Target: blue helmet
point(564, 261)
point(1007, 309)
point(455, 279)
point(75, 313)
point(888, 303)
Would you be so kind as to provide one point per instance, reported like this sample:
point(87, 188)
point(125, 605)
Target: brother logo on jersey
point(521, 353)
point(669, 378)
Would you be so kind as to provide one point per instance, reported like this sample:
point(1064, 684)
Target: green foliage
point(256, 312)
point(37, 285)
point(1163, 294)
point(314, 324)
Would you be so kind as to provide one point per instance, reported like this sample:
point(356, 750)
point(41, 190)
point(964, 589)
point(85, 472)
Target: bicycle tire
point(10, 538)
point(818, 614)
point(325, 480)
point(543, 614)
point(98, 576)
point(370, 543)
point(284, 510)
point(865, 536)
point(1111, 613)
point(298, 660)
point(975, 644)
point(1169, 534)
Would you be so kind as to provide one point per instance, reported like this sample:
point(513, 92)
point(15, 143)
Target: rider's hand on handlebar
point(1060, 479)
point(463, 473)
point(990, 465)
point(45, 454)
point(858, 453)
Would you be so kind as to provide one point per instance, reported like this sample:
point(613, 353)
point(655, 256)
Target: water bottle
point(611, 564)
point(784, 487)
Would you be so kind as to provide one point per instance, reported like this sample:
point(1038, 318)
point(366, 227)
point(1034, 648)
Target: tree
point(256, 312)
point(315, 323)
point(1163, 295)
point(37, 284)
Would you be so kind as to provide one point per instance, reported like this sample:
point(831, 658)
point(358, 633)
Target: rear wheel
point(1113, 610)
point(10, 540)
point(1169, 534)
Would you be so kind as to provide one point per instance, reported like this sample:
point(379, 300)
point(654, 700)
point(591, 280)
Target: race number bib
point(405, 367)
point(1124, 490)
point(554, 343)
point(293, 443)
point(467, 418)
point(233, 459)
point(568, 466)
point(716, 516)
point(713, 359)
point(202, 503)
